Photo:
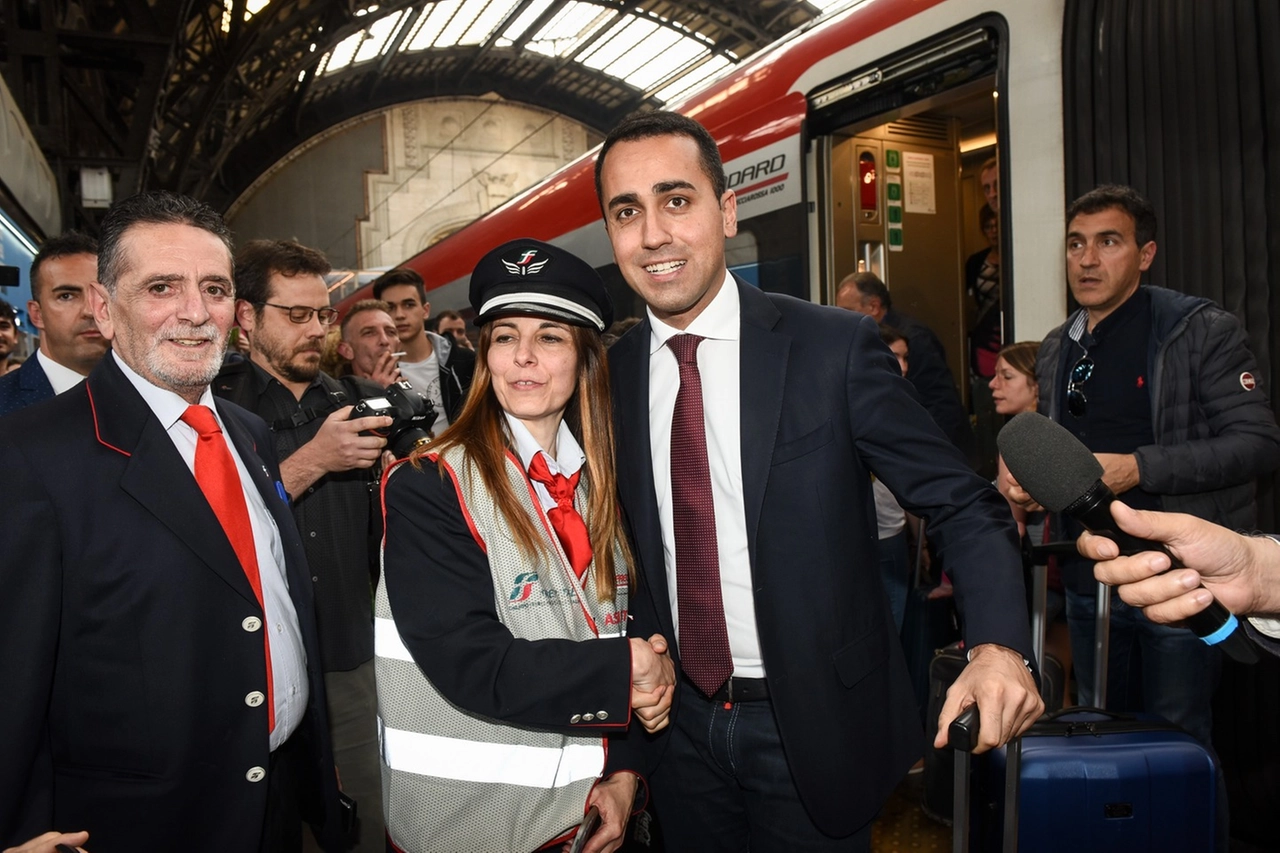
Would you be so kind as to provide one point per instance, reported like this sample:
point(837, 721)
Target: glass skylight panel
point(678, 88)
point(495, 11)
point(574, 23)
point(342, 55)
point(522, 23)
point(661, 60)
point(624, 38)
point(461, 22)
point(377, 35)
point(436, 19)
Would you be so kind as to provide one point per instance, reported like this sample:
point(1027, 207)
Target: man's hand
point(1242, 572)
point(1013, 492)
point(1119, 471)
point(338, 446)
point(653, 678)
point(614, 797)
point(386, 369)
point(999, 682)
point(49, 842)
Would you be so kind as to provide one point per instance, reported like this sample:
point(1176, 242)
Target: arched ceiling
point(202, 96)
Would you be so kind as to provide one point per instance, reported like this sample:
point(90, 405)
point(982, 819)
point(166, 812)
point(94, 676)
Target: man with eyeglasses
point(328, 469)
point(1162, 387)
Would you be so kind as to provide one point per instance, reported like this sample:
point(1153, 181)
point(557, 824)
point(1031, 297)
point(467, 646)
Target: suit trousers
point(724, 784)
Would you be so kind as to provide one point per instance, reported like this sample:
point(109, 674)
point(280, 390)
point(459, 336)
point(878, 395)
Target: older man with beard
point(327, 467)
point(162, 682)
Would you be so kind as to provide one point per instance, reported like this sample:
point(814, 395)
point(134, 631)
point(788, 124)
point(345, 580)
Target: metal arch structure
point(190, 96)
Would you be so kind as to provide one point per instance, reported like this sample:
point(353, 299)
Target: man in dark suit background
point(162, 690)
point(70, 343)
point(765, 571)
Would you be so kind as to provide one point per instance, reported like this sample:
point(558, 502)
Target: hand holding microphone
point(1062, 474)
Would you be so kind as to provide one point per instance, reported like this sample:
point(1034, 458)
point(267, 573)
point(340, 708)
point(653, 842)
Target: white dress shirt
point(62, 378)
point(568, 459)
point(288, 656)
point(719, 366)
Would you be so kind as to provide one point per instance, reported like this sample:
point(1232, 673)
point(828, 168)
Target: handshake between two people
point(653, 681)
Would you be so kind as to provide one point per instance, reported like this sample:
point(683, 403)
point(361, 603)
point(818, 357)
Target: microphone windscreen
point(1047, 460)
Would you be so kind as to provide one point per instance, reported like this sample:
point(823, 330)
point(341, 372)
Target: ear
point(345, 350)
point(426, 311)
point(245, 316)
point(1146, 255)
point(100, 305)
point(729, 209)
point(33, 313)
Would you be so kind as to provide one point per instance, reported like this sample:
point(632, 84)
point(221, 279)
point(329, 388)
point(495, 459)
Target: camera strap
point(337, 398)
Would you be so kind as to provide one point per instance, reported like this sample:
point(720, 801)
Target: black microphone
point(1063, 476)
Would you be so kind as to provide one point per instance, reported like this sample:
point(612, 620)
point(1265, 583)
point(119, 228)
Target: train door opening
point(898, 151)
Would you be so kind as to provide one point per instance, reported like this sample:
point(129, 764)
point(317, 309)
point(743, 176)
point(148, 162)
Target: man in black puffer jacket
point(1163, 389)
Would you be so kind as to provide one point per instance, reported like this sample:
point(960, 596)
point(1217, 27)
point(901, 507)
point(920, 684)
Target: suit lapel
point(763, 358)
point(155, 475)
point(629, 364)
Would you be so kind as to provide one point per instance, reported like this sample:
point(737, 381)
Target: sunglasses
point(1077, 402)
point(302, 313)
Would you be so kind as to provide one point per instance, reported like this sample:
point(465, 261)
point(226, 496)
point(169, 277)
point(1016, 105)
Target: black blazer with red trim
point(126, 663)
point(823, 406)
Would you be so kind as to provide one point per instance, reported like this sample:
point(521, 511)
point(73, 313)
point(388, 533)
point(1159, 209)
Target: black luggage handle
point(962, 736)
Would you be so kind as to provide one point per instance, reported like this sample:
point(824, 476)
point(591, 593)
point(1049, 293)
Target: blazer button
point(251, 623)
point(586, 718)
point(602, 715)
point(575, 719)
point(254, 699)
point(255, 774)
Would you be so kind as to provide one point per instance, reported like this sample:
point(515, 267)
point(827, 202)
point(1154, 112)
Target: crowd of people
point(617, 574)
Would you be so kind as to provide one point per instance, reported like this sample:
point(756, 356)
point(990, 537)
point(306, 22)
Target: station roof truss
point(203, 96)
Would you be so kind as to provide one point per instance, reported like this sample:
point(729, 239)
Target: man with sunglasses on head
point(1162, 387)
point(327, 466)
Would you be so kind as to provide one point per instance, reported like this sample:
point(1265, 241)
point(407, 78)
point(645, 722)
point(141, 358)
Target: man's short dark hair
point(155, 207)
point(449, 314)
point(62, 246)
point(891, 335)
point(7, 311)
point(397, 276)
point(1128, 199)
point(663, 123)
point(869, 284)
point(359, 308)
point(258, 260)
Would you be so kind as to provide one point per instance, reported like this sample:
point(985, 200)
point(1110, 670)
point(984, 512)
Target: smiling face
point(287, 350)
point(1012, 390)
point(62, 312)
point(534, 366)
point(666, 224)
point(1104, 261)
point(172, 307)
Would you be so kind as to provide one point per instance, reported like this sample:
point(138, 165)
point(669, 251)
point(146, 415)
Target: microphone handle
point(1216, 625)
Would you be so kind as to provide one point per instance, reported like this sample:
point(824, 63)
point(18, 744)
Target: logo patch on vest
point(1247, 382)
point(523, 587)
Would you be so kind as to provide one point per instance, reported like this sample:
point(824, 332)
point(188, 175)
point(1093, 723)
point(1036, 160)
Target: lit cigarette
point(398, 354)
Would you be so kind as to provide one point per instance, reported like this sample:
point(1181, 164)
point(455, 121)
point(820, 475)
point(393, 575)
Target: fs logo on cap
point(526, 265)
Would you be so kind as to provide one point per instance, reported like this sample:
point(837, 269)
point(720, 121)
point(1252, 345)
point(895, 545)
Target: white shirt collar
point(167, 406)
point(720, 320)
point(569, 453)
point(61, 377)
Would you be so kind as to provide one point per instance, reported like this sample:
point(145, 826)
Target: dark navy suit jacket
point(130, 635)
point(823, 406)
point(24, 386)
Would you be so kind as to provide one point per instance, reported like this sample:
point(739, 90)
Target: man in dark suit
point(794, 718)
point(162, 685)
point(70, 343)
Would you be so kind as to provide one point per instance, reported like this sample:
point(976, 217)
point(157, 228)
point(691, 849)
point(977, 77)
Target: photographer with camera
point(329, 466)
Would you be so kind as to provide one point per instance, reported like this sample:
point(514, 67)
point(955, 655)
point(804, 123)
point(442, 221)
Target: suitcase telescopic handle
point(962, 736)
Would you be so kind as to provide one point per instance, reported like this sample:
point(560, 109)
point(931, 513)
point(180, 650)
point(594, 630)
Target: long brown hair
point(480, 430)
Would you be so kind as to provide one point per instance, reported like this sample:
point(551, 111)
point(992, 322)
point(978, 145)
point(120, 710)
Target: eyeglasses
point(1077, 402)
point(302, 313)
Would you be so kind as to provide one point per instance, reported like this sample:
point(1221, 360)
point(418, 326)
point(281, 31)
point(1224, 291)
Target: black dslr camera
point(412, 417)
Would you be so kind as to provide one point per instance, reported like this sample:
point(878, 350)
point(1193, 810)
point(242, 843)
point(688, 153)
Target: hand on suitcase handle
point(962, 734)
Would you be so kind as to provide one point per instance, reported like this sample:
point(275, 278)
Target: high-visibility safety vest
point(455, 781)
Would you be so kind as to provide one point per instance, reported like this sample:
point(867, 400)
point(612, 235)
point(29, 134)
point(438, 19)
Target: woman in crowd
point(503, 666)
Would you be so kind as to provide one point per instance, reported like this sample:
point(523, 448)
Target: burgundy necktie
point(704, 639)
point(220, 481)
point(568, 524)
